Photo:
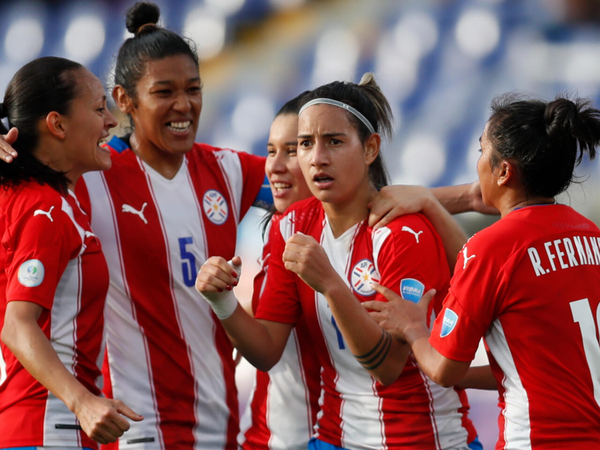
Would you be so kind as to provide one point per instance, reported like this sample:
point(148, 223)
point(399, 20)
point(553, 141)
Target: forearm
point(30, 346)
point(455, 199)
point(253, 339)
point(383, 356)
point(452, 235)
point(480, 377)
point(438, 368)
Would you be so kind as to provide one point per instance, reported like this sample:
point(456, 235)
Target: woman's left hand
point(304, 256)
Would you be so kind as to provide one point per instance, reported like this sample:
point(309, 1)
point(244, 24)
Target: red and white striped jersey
point(356, 411)
point(168, 356)
point(283, 406)
point(50, 257)
point(530, 284)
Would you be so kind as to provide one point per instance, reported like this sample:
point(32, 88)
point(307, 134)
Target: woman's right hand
point(217, 276)
point(103, 419)
point(7, 153)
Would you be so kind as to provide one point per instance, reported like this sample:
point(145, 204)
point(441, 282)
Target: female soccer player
point(163, 208)
point(282, 410)
point(373, 395)
point(54, 275)
point(529, 283)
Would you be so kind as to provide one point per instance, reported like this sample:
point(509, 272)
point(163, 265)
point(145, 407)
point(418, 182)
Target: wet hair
point(367, 98)
point(38, 88)
point(546, 140)
point(149, 43)
point(290, 107)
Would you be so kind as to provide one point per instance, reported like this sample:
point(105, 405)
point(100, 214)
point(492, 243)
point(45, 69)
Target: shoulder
point(406, 230)
point(30, 195)
point(302, 216)
point(223, 156)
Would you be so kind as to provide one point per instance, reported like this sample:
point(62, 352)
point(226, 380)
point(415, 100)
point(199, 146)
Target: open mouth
point(179, 127)
point(102, 141)
point(322, 178)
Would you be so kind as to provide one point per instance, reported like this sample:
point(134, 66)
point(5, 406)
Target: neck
point(344, 215)
point(520, 200)
point(51, 153)
point(166, 164)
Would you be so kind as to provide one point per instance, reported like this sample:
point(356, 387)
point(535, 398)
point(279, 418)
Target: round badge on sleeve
point(363, 273)
point(31, 273)
point(215, 207)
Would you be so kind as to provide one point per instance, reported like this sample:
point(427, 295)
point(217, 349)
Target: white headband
point(350, 109)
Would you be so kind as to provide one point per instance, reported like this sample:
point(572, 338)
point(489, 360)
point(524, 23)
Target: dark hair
point(149, 43)
point(546, 140)
point(367, 98)
point(38, 88)
point(290, 107)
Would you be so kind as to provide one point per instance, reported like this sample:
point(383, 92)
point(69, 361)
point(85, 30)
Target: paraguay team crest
point(363, 274)
point(215, 207)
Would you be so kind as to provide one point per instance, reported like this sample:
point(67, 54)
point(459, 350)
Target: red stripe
point(174, 387)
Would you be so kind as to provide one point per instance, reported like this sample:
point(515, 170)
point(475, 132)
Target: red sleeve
point(411, 259)
point(253, 171)
point(470, 307)
point(36, 248)
point(280, 300)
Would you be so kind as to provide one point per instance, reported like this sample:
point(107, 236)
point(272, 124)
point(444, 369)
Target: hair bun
point(141, 14)
point(561, 117)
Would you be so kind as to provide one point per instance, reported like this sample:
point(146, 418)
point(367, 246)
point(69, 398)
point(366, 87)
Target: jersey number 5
point(582, 314)
point(188, 262)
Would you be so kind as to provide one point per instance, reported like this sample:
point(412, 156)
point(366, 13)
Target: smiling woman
point(163, 208)
point(54, 275)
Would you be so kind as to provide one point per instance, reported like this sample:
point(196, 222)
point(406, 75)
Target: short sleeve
point(255, 189)
point(410, 258)
point(36, 249)
point(280, 299)
point(470, 307)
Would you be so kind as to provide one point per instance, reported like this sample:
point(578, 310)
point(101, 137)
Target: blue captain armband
point(264, 199)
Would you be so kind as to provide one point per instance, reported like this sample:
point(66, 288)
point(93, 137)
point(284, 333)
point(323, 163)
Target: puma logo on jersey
point(88, 234)
point(37, 212)
point(466, 258)
point(130, 209)
point(411, 231)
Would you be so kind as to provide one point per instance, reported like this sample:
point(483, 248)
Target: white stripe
point(173, 199)
point(130, 374)
point(517, 425)
point(63, 330)
point(231, 167)
point(290, 425)
point(2, 368)
point(361, 407)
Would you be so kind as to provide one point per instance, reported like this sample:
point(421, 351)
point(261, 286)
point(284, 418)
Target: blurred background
point(439, 62)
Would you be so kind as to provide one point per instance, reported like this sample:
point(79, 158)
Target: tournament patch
point(363, 273)
point(450, 320)
point(31, 273)
point(215, 207)
point(411, 289)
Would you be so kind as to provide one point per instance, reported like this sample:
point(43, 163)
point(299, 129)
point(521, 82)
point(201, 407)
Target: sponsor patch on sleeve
point(450, 320)
point(31, 273)
point(411, 289)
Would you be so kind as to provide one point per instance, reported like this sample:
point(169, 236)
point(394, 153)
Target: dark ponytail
point(367, 98)
point(545, 140)
point(149, 43)
point(38, 88)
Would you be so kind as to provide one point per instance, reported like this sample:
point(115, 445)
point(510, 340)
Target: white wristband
point(223, 303)
point(225, 306)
